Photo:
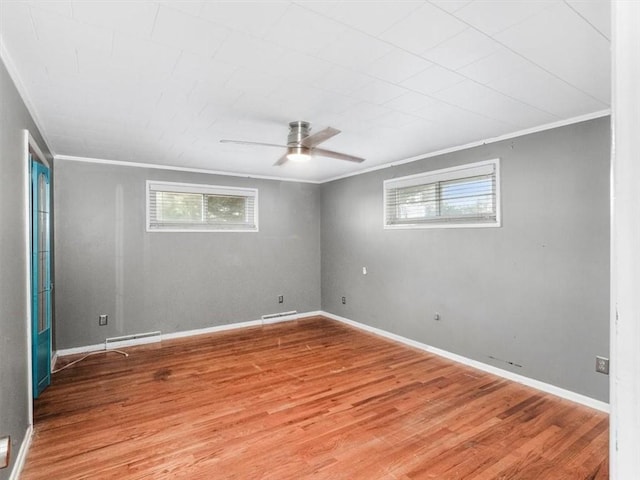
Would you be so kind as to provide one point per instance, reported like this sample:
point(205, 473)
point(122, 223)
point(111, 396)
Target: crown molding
point(70, 158)
point(466, 146)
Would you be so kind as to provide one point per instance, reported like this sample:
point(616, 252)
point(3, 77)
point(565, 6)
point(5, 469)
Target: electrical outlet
point(103, 320)
point(344, 300)
point(602, 365)
point(280, 298)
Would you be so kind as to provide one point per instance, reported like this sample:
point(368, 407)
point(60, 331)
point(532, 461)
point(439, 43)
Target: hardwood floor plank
point(308, 399)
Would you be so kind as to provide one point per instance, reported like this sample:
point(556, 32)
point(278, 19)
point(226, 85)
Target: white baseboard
point(54, 359)
point(21, 458)
point(190, 333)
point(234, 326)
point(530, 382)
point(85, 349)
point(214, 329)
point(537, 384)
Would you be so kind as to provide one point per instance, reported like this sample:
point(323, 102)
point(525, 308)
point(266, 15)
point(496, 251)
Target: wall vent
point(135, 339)
point(277, 317)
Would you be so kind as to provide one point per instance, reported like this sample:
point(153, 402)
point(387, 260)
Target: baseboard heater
point(276, 317)
point(129, 340)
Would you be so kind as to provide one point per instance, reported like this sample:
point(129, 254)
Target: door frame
point(625, 261)
point(30, 147)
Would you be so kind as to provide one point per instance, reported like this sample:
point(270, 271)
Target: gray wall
point(14, 393)
point(534, 292)
point(107, 264)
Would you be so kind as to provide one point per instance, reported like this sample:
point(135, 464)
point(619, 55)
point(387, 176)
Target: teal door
point(40, 278)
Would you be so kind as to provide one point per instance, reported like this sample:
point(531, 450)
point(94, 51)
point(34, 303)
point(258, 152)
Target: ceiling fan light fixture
point(301, 146)
point(298, 154)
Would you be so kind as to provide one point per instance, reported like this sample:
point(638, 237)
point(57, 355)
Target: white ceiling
point(162, 82)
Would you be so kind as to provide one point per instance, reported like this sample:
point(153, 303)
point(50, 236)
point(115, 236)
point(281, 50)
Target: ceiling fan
point(301, 146)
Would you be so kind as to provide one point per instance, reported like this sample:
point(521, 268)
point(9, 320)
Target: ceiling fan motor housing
point(297, 131)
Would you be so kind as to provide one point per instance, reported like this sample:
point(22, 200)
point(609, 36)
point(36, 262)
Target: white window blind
point(184, 207)
point(464, 196)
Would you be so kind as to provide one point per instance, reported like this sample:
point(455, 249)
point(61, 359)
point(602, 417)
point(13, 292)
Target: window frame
point(442, 175)
point(204, 189)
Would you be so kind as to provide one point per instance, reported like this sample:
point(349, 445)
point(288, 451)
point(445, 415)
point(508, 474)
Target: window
point(185, 207)
point(464, 196)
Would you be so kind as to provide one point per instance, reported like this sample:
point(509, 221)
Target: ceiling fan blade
point(305, 145)
point(281, 160)
point(319, 137)
point(340, 156)
point(260, 144)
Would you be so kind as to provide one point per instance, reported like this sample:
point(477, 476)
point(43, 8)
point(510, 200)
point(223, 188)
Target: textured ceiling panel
point(162, 82)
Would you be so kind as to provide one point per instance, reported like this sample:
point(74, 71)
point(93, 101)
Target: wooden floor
point(307, 399)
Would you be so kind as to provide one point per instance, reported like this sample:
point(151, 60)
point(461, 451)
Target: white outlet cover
point(602, 365)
